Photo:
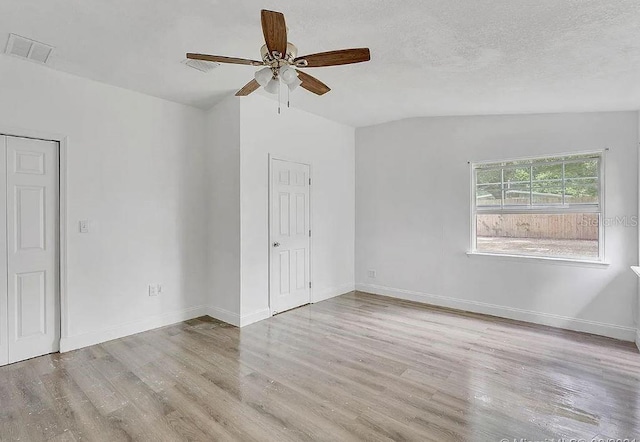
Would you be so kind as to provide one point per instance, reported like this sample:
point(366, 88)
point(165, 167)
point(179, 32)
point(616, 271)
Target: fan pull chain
point(288, 97)
point(279, 91)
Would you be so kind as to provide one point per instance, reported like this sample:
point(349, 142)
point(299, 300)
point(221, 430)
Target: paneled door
point(290, 236)
point(32, 276)
point(4, 327)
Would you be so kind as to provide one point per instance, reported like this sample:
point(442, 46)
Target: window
point(545, 207)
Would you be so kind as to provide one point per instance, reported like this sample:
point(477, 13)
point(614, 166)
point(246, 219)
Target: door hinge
point(309, 284)
point(309, 181)
point(309, 233)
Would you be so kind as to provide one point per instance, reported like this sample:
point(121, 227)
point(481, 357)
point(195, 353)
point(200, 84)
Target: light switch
point(84, 226)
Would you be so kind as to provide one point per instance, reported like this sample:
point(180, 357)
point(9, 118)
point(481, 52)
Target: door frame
point(63, 142)
point(271, 158)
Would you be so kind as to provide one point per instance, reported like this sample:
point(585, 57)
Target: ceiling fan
point(281, 60)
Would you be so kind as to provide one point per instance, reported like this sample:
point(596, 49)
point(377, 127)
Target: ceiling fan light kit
point(273, 86)
point(282, 63)
point(288, 74)
point(263, 76)
point(294, 84)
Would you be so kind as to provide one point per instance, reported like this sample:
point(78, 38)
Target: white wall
point(223, 222)
point(161, 185)
point(638, 297)
point(135, 169)
point(413, 220)
point(329, 148)
point(180, 198)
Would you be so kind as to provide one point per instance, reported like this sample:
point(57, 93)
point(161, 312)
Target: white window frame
point(548, 209)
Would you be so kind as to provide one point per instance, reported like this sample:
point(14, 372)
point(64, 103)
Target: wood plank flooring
point(356, 367)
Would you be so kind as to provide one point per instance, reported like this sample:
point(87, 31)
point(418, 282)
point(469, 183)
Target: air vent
point(30, 49)
point(201, 65)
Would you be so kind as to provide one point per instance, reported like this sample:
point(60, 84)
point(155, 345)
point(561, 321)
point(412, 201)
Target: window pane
point(516, 175)
point(550, 173)
point(492, 176)
point(547, 194)
point(582, 169)
point(489, 195)
point(547, 184)
point(517, 195)
point(516, 186)
point(581, 191)
point(570, 235)
point(489, 187)
point(533, 161)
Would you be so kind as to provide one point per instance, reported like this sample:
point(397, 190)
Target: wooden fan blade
point(336, 58)
point(221, 59)
point(274, 29)
point(248, 88)
point(312, 84)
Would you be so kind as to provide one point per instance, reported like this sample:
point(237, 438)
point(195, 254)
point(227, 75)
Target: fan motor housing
point(292, 53)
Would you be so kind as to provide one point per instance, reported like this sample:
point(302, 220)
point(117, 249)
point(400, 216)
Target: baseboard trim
point(224, 315)
point(259, 315)
point(256, 316)
point(332, 292)
point(120, 331)
point(638, 339)
point(558, 321)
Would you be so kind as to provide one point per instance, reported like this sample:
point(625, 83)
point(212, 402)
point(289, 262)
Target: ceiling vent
point(201, 65)
point(30, 49)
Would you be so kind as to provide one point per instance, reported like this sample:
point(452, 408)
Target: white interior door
point(4, 326)
point(290, 236)
point(33, 319)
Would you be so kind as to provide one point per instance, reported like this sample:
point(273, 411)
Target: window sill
point(542, 259)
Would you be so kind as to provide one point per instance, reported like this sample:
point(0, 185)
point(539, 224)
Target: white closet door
point(290, 242)
point(4, 327)
point(32, 243)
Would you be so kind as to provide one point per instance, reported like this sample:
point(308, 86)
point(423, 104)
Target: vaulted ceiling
point(429, 57)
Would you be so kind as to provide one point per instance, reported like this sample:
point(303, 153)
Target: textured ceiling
point(429, 57)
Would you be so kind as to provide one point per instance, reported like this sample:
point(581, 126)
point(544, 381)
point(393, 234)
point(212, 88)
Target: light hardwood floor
point(356, 367)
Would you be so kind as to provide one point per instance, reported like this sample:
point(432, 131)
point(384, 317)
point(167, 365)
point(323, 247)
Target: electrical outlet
point(84, 226)
point(371, 273)
point(155, 289)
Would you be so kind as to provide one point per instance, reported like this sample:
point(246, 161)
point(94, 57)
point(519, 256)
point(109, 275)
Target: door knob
point(276, 244)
